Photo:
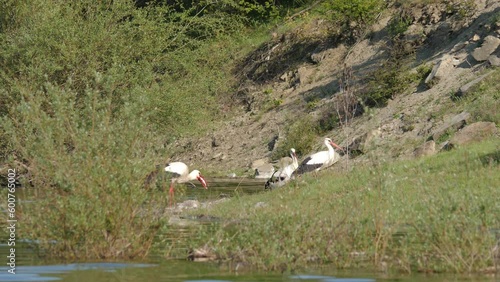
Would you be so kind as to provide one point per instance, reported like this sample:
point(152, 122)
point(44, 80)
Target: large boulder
point(441, 69)
point(426, 149)
point(264, 171)
point(362, 143)
point(490, 44)
point(474, 132)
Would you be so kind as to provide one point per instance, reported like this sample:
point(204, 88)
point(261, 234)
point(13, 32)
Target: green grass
point(435, 214)
point(483, 101)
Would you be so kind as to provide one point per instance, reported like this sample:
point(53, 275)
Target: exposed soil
point(301, 70)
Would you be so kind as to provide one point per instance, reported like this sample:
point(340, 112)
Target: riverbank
point(435, 214)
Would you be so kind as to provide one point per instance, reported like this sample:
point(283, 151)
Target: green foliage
point(392, 79)
point(90, 92)
point(353, 16)
point(398, 25)
point(434, 214)
point(385, 83)
point(464, 9)
point(88, 162)
point(300, 135)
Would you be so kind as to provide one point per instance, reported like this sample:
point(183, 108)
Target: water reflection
point(224, 187)
point(48, 272)
point(322, 278)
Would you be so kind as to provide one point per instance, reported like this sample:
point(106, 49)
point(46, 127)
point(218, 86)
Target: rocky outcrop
point(464, 89)
point(264, 171)
point(361, 144)
point(441, 68)
point(473, 133)
point(426, 149)
point(452, 125)
point(490, 44)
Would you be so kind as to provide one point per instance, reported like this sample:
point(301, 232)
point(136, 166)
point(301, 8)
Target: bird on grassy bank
point(180, 174)
point(283, 175)
point(319, 160)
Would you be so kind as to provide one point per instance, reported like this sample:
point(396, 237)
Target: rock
point(189, 204)
point(260, 204)
point(217, 156)
point(441, 69)
point(476, 38)
point(201, 254)
point(361, 144)
point(474, 132)
point(255, 164)
point(459, 46)
point(286, 76)
point(445, 146)
point(264, 171)
point(494, 60)
point(319, 55)
point(454, 124)
point(215, 143)
point(427, 149)
point(464, 89)
point(490, 44)
point(304, 75)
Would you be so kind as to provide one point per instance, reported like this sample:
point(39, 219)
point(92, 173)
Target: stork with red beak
point(319, 160)
point(180, 174)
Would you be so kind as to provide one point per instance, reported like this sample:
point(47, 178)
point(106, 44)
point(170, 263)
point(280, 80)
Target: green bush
point(352, 15)
point(88, 163)
point(398, 25)
point(300, 136)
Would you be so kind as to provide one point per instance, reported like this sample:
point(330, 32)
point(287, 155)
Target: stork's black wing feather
point(304, 167)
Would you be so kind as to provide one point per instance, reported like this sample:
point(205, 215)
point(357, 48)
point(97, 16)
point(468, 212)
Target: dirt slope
point(300, 72)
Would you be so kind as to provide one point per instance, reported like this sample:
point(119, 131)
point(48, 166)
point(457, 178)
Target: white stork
point(180, 174)
point(283, 174)
point(319, 160)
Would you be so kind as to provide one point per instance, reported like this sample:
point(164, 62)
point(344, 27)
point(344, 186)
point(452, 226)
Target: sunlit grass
point(433, 214)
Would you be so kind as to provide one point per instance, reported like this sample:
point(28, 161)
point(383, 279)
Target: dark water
point(31, 268)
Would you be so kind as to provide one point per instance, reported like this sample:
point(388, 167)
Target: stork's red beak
point(337, 146)
point(202, 181)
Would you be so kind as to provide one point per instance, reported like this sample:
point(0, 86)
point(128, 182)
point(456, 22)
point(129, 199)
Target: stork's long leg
point(171, 194)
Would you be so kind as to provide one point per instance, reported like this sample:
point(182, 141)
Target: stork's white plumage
point(319, 160)
point(286, 172)
point(180, 174)
point(281, 176)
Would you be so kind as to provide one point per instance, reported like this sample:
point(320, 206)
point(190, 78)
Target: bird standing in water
point(180, 174)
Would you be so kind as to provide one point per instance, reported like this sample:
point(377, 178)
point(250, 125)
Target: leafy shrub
point(300, 135)
point(352, 16)
point(88, 162)
point(385, 83)
point(398, 25)
point(394, 76)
